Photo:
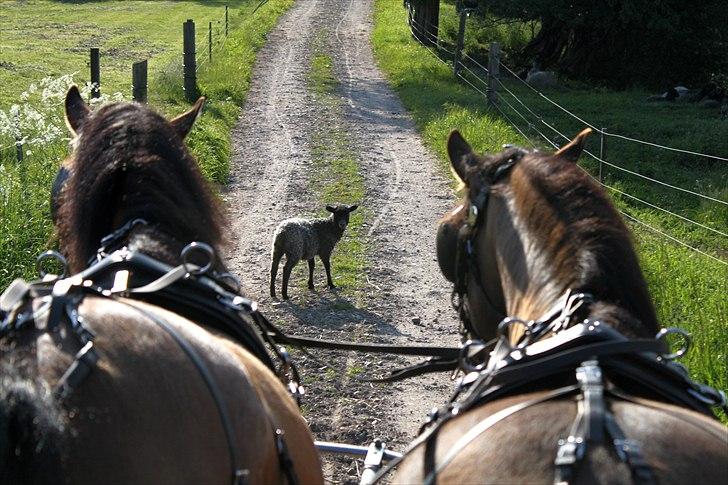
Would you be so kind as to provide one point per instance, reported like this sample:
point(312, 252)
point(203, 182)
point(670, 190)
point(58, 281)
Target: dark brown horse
point(533, 225)
point(169, 400)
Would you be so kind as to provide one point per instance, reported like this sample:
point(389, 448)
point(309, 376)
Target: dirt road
point(403, 299)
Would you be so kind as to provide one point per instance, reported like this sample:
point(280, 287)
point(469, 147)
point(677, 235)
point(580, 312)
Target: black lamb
point(299, 239)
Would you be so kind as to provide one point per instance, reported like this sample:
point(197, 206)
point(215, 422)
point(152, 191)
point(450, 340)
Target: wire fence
point(21, 142)
point(530, 123)
point(212, 37)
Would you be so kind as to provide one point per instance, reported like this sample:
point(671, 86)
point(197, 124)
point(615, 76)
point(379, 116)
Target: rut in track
point(402, 297)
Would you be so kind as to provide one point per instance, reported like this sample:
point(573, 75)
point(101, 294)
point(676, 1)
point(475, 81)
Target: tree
point(424, 17)
point(624, 42)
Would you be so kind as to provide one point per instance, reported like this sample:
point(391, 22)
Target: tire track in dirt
point(405, 298)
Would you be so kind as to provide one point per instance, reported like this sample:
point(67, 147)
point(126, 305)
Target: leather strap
point(210, 382)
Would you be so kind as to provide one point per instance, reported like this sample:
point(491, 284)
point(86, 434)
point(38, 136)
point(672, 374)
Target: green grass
point(42, 38)
point(689, 289)
point(335, 176)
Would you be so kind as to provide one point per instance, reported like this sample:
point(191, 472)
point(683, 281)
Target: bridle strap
point(465, 257)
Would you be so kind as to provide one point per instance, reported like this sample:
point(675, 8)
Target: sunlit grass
point(42, 38)
point(689, 289)
point(335, 177)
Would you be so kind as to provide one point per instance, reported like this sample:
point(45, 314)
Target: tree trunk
point(425, 20)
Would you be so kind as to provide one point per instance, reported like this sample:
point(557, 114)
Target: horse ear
point(460, 153)
point(183, 123)
point(572, 150)
point(76, 110)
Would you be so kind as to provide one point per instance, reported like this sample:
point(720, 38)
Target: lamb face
point(341, 214)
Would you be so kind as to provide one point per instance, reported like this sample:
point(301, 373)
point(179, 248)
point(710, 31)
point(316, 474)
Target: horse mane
point(130, 163)
point(587, 242)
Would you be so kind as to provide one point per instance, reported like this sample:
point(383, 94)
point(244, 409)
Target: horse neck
point(528, 283)
point(539, 258)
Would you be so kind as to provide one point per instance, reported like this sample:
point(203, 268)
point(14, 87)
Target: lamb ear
point(352, 208)
point(572, 150)
point(77, 112)
point(461, 155)
point(183, 123)
point(331, 208)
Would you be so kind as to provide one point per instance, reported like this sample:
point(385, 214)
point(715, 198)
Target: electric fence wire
point(412, 28)
point(432, 37)
point(564, 137)
point(607, 133)
point(466, 56)
point(629, 216)
point(613, 165)
point(525, 137)
point(654, 229)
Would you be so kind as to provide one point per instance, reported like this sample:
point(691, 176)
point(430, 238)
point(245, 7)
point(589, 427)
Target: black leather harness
point(466, 262)
point(587, 361)
point(125, 276)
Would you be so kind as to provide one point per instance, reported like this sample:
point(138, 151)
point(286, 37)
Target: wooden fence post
point(226, 20)
point(602, 152)
point(461, 42)
point(139, 81)
point(493, 73)
point(209, 42)
point(190, 63)
point(95, 73)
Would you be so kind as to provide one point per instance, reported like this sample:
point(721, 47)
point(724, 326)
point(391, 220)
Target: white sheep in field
point(299, 239)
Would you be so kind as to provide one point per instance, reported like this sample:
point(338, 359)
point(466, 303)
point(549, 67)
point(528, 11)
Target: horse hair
point(130, 163)
point(31, 423)
point(594, 235)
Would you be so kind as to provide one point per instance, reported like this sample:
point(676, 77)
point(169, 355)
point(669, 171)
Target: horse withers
point(124, 373)
point(577, 388)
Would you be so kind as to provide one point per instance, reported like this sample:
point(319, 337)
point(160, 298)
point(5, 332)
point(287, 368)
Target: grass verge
point(688, 288)
point(335, 176)
point(129, 31)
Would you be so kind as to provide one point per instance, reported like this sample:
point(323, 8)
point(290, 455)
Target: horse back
point(146, 404)
point(680, 445)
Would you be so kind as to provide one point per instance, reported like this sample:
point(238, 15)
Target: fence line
point(614, 135)
point(634, 219)
point(691, 221)
point(613, 165)
point(654, 229)
point(138, 82)
point(466, 56)
point(614, 189)
point(664, 147)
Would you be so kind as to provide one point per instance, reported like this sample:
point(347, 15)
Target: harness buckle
point(570, 451)
point(199, 247)
point(472, 215)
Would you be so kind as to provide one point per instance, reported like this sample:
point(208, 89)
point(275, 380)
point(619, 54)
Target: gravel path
point(404, 299)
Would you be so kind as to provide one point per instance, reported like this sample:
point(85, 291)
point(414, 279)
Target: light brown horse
point(546, 227)
point(151, 409)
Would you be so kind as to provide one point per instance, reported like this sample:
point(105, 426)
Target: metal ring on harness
point(464, 359)
point(51, 255)
point(662, 334)
point(506, 324)
point(199, 247)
